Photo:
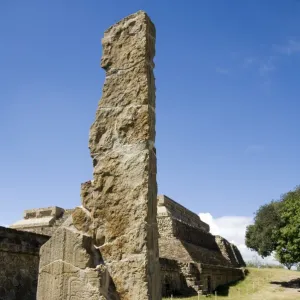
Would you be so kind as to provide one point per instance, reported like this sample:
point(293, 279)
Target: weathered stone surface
point(197, 260)
point(230, 252)
point(86, 194)
point(19, 262)
point(64, 244)
point(169, 208)
point(72, 268)
point(124, 190)
point(64, 281)
point(82, 220)
point(129, 42)
point(109, 247)
point(238, 255)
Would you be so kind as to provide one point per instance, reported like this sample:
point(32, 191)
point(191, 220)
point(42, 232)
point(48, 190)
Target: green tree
point(277, 228)
point(261, 236)
point(288, 263)
point(288, 234)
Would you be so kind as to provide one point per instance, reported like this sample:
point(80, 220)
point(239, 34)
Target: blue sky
point(227, 100)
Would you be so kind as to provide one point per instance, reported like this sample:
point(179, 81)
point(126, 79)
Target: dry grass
point(258, 286)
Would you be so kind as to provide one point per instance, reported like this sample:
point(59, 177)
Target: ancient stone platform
point(191, 258)
point(42, 220)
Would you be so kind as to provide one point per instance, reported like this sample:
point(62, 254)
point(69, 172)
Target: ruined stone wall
point(186, 252)
point(196, 259)
point(178, 240)
point(213, 276)
point(42, 220)
point(186, 279)
point(212, 266)
point(226, 250)
point(167, 207)
point(238, 255)
point(165, 226)
point(172, 281)
point(19, 262)
point(194, 236)
point(179, 279)
point(230, 252)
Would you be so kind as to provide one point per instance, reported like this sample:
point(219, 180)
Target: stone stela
point(109, 246)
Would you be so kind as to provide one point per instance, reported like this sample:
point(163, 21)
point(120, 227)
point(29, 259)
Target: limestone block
point(71, 267)
point(86, 195)
point(82, 220)
point(60, 280)
point(128, 42)
point(133, 86)
point(68, 245)
point(115, 127)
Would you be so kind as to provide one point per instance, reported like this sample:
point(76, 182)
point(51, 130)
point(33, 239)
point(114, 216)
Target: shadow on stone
point(174, 282)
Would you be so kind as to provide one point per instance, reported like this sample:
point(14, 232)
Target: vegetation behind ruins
point(276, 229)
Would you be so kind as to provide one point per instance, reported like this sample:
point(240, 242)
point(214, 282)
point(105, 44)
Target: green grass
point(257, 285)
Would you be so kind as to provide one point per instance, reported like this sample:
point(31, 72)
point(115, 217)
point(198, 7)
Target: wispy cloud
point(267, 66)
point(222, 71)
point(265, 69)
point(249, 61)
point(264, 66)
point(291, 47)
point(254, 149)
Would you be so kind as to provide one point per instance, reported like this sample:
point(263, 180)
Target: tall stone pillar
point(121, 143)
point(108, 249)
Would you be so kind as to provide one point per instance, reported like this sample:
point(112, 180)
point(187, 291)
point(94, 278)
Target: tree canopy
point(288, 235)
point(277, 228)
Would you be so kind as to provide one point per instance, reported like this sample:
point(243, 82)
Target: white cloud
point(292, 46)
point(233, 228)
point(222, 71)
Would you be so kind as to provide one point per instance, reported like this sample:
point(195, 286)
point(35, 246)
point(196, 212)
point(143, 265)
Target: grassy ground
point(261, 284)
